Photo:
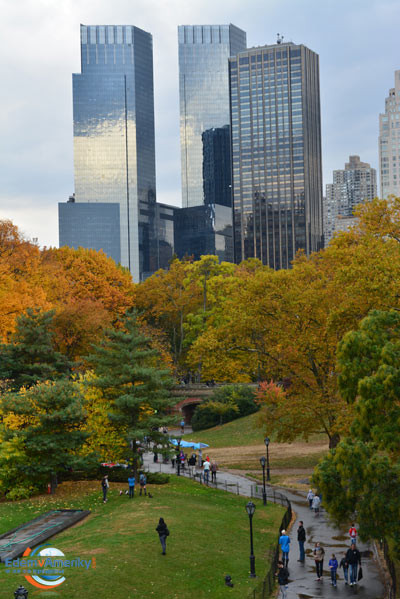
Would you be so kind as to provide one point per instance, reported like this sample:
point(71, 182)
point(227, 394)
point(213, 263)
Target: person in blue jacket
point(284, 542)
point(131, 483)
point(333, 566)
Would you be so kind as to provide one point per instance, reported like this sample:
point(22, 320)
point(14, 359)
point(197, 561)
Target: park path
point(319, 528)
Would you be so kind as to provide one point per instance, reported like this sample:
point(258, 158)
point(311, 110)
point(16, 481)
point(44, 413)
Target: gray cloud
point(39, 44)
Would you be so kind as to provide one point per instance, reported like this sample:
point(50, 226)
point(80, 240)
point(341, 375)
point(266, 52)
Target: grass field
point(209, 539)
point(238, 445)
point(243, 431)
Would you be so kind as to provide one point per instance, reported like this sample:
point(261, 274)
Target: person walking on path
point(333, 566)
point(319, 554)
point(283, 578)
point(142, 483)
point(105, 485)
point(310, 497)
point(131, 483)
point(343, 564)
point(284, 542)
point(301, 537)
point(316, 502)
point(353, 534)
point(206, 471)
point(163, 533)
point(353, 558)
point(182, 426)
point(214, 468)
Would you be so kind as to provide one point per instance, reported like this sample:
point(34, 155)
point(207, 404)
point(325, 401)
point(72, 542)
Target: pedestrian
point(182, 460)
point(316, 502)
point(155, 456)
point(142, 483)
point(319, 554)
point(131, 483)
point(343, 564)
point(182, 425)
point(301, 537)
point(163, 533)
point(173, 461)
point(283, 578)
point(105, 485)
point(310, 497)
point(353, 558)
point(206, 471)
point(353, 534)
point(214, 468)
point(284, 542)
point(333, 566)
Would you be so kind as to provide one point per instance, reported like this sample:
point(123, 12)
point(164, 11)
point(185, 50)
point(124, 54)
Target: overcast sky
point(358, 42)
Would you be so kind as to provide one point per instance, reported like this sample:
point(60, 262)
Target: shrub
point(21, 493)
point(226, 403)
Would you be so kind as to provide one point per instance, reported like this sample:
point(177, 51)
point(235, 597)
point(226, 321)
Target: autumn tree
point(130, 376)
point(362, 474)
point(41, 433)
point(30, 357)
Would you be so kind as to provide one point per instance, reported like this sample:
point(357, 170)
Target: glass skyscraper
point(114, 150)
point(204, 95)
point(276, 153)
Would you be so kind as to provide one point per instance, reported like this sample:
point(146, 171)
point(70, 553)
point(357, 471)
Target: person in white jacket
point(316, 502)
point(310, 497)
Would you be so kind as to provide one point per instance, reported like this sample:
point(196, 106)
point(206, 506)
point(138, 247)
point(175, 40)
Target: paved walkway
point(302, 575)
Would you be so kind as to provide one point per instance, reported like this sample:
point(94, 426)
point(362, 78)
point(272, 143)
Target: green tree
point(40, 433)
point(130, 375)
point(362, 475)
point(225, 404)
point(30, 356)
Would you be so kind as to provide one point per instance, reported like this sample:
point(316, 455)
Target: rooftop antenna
point(279, 38)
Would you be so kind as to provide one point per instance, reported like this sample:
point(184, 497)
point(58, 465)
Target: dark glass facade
point(276, 153)
point(204, 95)
point(217, 166)
point(204, 230)
point(114, 152)
point(92, 225)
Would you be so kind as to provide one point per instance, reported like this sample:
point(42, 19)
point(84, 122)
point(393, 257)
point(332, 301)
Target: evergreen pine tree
point(130, 374)
point(40, 433)
point(30, 356)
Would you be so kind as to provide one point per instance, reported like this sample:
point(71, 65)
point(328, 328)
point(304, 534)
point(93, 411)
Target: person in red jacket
point(353, 534)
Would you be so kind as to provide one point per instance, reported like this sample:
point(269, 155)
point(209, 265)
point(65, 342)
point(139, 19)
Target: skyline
point(41, 43)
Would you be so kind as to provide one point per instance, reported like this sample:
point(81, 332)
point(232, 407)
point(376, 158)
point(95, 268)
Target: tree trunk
point(334, 440)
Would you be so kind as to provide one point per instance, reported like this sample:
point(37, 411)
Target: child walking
point(333, 566)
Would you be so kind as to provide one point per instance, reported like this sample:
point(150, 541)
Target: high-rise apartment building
point(352, 185)
point(389, 142)
point(114, 150)
point(276, 153)
point(204, 95)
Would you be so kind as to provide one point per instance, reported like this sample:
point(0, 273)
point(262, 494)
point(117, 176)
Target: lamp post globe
point(250, 509)
point(21, 593)
point(262, 462)
point(266, 441)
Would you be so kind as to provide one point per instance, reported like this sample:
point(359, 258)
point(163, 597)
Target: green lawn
point(209, 539)
point(240, 432)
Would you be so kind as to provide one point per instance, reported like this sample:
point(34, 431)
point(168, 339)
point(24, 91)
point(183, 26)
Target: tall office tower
point(389, 142)
point(351, 186)
point(204, 95)
point(276, 153)
point(114, 154)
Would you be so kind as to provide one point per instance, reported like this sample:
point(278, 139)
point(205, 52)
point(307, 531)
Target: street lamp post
point(266, 441)
point(250, 509)
point(262, 462)
point(178, 465)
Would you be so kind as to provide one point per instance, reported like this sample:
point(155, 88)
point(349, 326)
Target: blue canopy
point(181, 443)
point(199, 445)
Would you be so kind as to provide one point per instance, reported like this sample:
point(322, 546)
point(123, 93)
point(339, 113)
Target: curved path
point(302, 575)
